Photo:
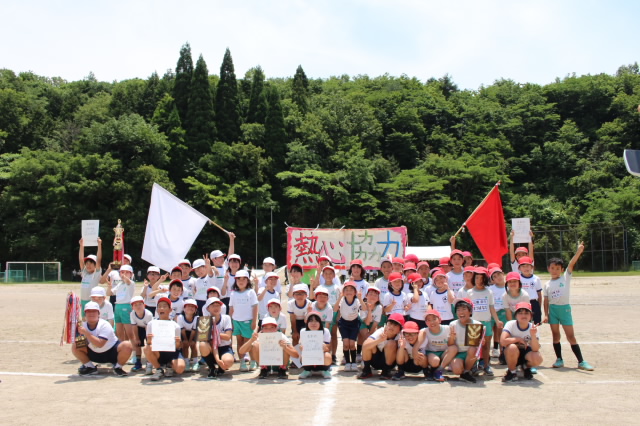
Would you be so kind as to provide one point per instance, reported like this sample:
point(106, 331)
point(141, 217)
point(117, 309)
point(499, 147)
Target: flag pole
point(476, 209)
point(220, 227)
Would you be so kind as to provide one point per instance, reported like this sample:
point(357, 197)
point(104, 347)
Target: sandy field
point(39, 381)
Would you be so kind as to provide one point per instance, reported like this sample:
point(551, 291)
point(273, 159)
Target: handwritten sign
point(271, 352)
point(521, 228)
point(306, 245)
point(312, 347)
point(164, 336)
point(90, 232)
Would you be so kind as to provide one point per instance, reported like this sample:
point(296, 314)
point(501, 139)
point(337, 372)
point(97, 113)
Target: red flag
point(487, 227)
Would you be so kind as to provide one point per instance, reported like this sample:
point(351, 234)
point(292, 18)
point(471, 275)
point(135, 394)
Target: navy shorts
point(142, 335)
point(108, 356)
point(410, 367)
point(523, 353)
point(379, 362)
point(300, 324)
point(349, 329)
point(225, 350)
point(200, 306)
point(168, 357)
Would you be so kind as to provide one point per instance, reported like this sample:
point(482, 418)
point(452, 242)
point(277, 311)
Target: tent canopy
point(428, 253)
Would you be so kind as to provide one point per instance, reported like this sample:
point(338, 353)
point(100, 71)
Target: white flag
point(172, 227)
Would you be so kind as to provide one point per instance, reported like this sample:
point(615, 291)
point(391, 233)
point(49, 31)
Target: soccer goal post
point(32, 272)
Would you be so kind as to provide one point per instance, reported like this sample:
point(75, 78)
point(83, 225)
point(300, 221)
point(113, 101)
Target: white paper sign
point(90, 232)
point(164, 336)
point(271, 352)
point(521, 228)
point(312, 347)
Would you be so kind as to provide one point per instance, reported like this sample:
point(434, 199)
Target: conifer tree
point(275, 134)
point(300, 95)
point(226, 104)
point(200, 123)
point(258, 101)
point(184, 74)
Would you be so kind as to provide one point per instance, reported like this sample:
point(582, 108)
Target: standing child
point(243, 309)
point(204, 272)
point(499, 290)
point(188, 282)
point(297, 309)
point(164, 363)
point(382, 283)
point(221, 360)
point(220, 265)
point(521, 344)
point(333, 290)
point(397, 265)
point(468, 282)
point(188, 322)
point(424, 270)
point(91, 272)
point(445, 264)
point(419, 302)
point(234, 262)
point(139, 318)
point(456, 274)
point(356, 271)
point(315, 323)
point(395, 300)
point(348, 307)
point(322, 307)
point(152, 283)
point(409, 268)
point(557, 309)
point(124, 289)
point(516, 253)
point(370, 317)
point(295, 277)
point(266, 294)
point(268, 265)
point(442, 297)
point(532, 285)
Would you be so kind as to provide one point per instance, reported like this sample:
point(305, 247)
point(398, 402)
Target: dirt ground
point(39, 381)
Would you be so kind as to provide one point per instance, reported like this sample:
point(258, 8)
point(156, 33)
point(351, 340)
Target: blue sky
point(476, 42)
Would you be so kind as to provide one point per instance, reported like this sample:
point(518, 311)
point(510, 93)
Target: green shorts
point(437, 353)
point(122, 313)
point(502, 316)
point(242, 328)
point(334, 320)
point(560, 314)
point(488, 328)
point(383, 320)
point(84, 302)
point(461, 355)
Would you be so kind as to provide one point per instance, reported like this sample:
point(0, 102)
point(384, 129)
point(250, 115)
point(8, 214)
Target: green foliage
point(200, 123)
point(182, 85)
point(258, 100)
point(227, 103)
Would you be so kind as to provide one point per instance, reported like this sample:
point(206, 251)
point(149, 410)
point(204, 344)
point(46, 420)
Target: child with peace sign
point(521, 345)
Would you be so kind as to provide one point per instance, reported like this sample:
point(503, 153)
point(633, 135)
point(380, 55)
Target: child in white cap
point(139, 319)
point(188, 322)
point(252, 346)
point(99, 295)
point(297, 309)
point(267, 293)
point(243, 310)
point(268, 265)
point(188, 282)
point(91, 272)
point(204, 272)
point(222, 359)
point(124, 289)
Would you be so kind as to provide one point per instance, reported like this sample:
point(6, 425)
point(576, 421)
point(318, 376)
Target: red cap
point(513, 276)
point(356, 262)
point(492, 265)
point(410, 327)
point(467, 254)
point(438, 273)
point(456, 251)
point(522, 249)
point(482, 270)
point(397, 318)
point(433, 312)
point(425, 263)
point(373, 288)
point(465, 300)
point(164, 299)
point(349, 284)
point(469, 269)
point(412, 278)
point(327, 258)
point(436, 269)
point(493, 271)
point(410, 266)
point(395, 276)
point(525, 260)
point(296, 265)
point(411, 258)
point(398, 260)
point(524, 305)
point(176, 268)
point(444, 261)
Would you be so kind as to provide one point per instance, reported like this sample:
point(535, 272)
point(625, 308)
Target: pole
point(476, 209)
point(272, 230)
point(256, 261)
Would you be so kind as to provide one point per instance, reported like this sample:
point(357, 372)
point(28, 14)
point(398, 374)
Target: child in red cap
point(441, 346)
point(442, 297)
point(521, 344)
point(379, 351)
point(517, 253)
point(410, 355)
point(419, 302)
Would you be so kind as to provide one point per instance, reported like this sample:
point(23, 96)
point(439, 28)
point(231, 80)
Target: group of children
point(413, 319)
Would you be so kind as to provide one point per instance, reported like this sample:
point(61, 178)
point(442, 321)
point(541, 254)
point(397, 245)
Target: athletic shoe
point(488, 371)
point(87, 371)
point(195, 367)
point(137, 367)
point(187, 365)
point(399, 375)
point(428, 373)
point(168, 372)
point(475, 371)
point(347, 368)
point(118, 371)
point(132, 360)
point(282, 373)
point(528, 374)
point(157, 375)
point(264, 372)
point(558, 364)
point(510, 377)
point(467, 377)
point(385, 374)
point(495, 353)
point(534, 370)
point(305, 374)
point(354, 367)
point(219, 371)
point(213, 374)
point(326, 374)
point(247, 358)
point(584, 365)
point(253, 365)
point(243, 366)
point(438, 376)
point(343, 362)
point(365, 374)
point(149, 370)
point(358, 358)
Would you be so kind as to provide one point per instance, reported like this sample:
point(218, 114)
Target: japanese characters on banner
point(306, 245)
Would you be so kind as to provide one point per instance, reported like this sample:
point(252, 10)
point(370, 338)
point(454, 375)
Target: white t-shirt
point(149, 301)
point(326, 314)
point(189, 286)
point(218, 280)
point(123, 291)
point(514, 330)
point(461, 331)
point(409, 347)
point(482, 301)
point(418, 310)
point(243, 303)
point(336, 280)
point(531, 285)
point(362, 286)
point(223, 311)
point(223, 326)
point(103, 331)
point(438, 342)
point(263, 284)
point(349, 312)
point(376, 334)
point(230, 282)
point(498, 295)
point(383, 285)
point(511, 302)
point(89, 281)
point(440, 302)
point(141, 322)
point(282, 321)
point(376, 315)
point(333, 290)
point(401, 301)
point(150, 327)
point(298, 311)
point(456, 281)
point(177, 307)
point(326, 336)
point(106, 311)
point(262, 308)
point(186, 325)
point(462, 293)
point(558, 291)
point(202, 284)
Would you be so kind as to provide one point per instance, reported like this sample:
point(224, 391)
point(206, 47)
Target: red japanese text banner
point(306, 245)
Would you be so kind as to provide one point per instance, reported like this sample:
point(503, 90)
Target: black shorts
point(446, 322)
point(225, 300)
point(112, 300)
point(142, 335)
point(537, 312)
point(200, 306)
point(108, 356)
point(421, 323)
point(168, 357)
point(410, 367)
point(523, 353)
point(152, 309)
point(300, 325)
point(379, 362)
point(187, 333)
point(225, 350)
point(349, 329)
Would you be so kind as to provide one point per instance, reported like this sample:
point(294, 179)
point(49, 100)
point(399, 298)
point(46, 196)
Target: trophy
point(204, 328)
point(81, 340)
point(474, 334)
point(118, 246)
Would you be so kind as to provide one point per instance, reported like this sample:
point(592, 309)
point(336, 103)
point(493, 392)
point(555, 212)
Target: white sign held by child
point(164, 336)
point(521, 228)
point(271, 352)
point(90, 232)
point(312, 347)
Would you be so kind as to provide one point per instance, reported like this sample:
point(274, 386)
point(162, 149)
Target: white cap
point(212, 288)
point(274, 302)
point(92, 257)
point(126, 268)
point(301, 287)
point(270, 275)
point(91, 306)
point(184, 261)
point(198, 263)
point(191, 302)
point(153, 269)
point(126, 256)
point(210, 301)
point(98, 292)
point(270, 260)
point(234, 256)
point(216, 253)
point(242, 273)
point(136, 299)
point(269, 320)
point(329, 267)
point(321, 290)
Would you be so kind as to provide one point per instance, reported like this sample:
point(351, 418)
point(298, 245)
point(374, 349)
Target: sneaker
point(385, 374)
point(168, 372)
point(137, 367)
point(219, 371)
point(488, 371)
point(347, 368)
point(247, 358)
point(157, 375)
point(195, 367)
point(534, 370)
point(253, 365)
point(213, 374)
point(87, 371)
point(528, 374)
point(467, 377)
point(282, 373)
point(358, 358)
point(187, 365)
point(438, 376)
point(475, 370)
point(326, 374)
point(510, 377)
point(305, 374)
point(244, 366)
point(399, 375)
point(584, 365)
point(343, 362)
point(132, 360)
point(118, 371)
point(354, 367)
point(495, 353)
point(558, 364)
point(365, 374)
point(264, 372)
point(149, 370)
point(428, 373)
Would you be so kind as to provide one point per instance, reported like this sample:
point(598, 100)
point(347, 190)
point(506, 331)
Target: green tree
point(275, 135)
point(227, 104)
point(258, 101)
point(182, 84)
point(200, 123)
point(300, 93)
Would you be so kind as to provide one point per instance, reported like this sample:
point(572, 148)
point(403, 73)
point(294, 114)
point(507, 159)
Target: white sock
point(89, 364)
point(117, 365)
